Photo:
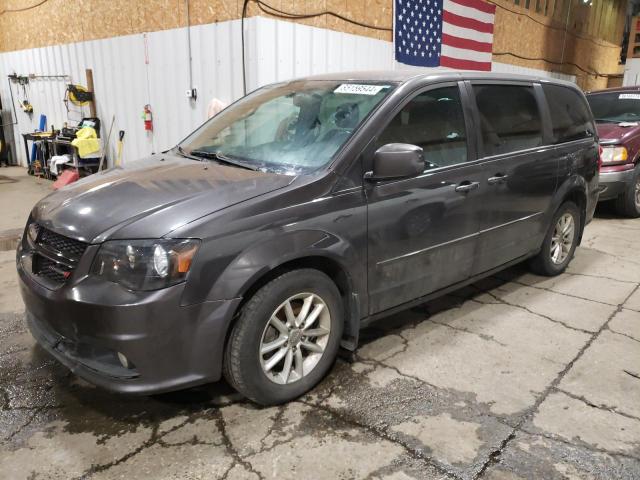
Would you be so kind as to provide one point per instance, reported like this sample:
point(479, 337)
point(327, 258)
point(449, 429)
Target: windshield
point(615, 107)
point(293, 128)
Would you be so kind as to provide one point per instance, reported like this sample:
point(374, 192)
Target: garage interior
point(516, 376)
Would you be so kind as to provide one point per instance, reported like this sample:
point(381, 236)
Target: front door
point(422, 231)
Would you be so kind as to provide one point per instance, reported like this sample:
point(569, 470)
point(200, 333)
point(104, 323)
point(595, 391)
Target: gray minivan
point(267, 238)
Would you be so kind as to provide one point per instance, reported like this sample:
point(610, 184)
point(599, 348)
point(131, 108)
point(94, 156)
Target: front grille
point(55, 256)
point(68, 247)
point(52, 271)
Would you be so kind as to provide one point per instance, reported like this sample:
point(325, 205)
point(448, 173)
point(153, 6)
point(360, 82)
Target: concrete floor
point(517, 376)
point(18, 193)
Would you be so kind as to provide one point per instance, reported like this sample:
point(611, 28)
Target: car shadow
point(422, 313)
point(606, 211)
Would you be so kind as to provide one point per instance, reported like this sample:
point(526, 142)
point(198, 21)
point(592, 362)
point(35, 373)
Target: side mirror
point(396, 160)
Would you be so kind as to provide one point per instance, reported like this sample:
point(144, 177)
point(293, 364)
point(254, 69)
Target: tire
point(247, 370)
point(548, 264)
point(628, 204)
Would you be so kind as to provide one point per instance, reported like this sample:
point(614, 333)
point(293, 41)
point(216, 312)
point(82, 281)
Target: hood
point(616, 132)
point(150, 199)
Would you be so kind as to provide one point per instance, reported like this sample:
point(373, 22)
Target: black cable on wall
point(24, 9)
point(548, 25)
point(541, 59)
point(275, 12)
point(278, 13)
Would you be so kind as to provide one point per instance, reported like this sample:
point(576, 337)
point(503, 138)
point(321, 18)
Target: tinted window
point(509, 118)
point(570, 117)
point(434, 121)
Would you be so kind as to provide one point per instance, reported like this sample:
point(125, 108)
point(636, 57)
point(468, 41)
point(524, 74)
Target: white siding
point(275, 50)
point(508, 68)
point(631, 72)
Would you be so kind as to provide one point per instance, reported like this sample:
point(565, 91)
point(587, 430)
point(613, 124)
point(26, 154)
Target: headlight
point(614, 154)
point(145, 264)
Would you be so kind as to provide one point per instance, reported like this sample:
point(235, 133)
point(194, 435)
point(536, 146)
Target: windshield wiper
point(222, 158)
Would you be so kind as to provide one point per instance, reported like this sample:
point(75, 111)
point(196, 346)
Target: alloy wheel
point(636, 193)
point(562, 239)
point(295, 338)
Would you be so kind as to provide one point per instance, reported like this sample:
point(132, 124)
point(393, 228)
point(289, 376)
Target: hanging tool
point(23, 81)
point(26, 107)
point(78, 95)
point(120, 145)
point(106, 144)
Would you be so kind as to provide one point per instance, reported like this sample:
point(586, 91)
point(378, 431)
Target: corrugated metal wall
point(153, 68)
point(130, 72)
point(631, 72)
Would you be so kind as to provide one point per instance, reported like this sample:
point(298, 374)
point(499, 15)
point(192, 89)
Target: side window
point(434, 121)
point(509, 118)
point(570, 117)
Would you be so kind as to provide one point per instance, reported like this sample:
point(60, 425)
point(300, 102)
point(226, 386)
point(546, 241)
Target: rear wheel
point(560, 242)
point(628, 204)
point(286, 338)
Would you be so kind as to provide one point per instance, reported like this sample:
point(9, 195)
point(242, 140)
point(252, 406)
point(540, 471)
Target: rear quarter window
point(570, 115)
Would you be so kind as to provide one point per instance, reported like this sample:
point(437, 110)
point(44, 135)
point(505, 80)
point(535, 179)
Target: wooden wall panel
point(66, 21)
point(544, 39)
point(594, 31)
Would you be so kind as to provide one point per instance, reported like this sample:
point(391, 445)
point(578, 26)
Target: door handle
point(498, 178)
point(467, 186)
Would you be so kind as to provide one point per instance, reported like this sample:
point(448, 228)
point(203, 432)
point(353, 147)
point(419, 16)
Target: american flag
point(444, 33)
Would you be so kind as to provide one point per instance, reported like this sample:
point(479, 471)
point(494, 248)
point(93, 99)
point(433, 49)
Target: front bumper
point(86, 323)
point(614, 183)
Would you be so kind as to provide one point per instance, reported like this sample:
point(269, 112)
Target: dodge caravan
point(264, 241)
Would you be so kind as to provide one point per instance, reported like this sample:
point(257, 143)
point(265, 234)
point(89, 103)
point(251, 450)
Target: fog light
point(124, 361)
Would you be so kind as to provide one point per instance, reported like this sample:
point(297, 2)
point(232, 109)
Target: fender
point(570, 186)
point(264, 257)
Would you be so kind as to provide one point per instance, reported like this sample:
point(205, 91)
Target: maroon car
point(617, 113)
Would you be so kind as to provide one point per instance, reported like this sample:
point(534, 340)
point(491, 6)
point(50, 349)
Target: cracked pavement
point(514, 377)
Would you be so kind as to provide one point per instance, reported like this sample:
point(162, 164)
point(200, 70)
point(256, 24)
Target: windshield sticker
point(629, 96)
point(359, 89)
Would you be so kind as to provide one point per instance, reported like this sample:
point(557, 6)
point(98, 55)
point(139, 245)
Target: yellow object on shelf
point(86, 141)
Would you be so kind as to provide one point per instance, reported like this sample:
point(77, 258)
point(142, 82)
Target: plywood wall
point(528, 33)
point(525, 38)
point(65, 21)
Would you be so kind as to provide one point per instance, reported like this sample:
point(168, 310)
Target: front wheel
point(560, 242)
point(286, 337)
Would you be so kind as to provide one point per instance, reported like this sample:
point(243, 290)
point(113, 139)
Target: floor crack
point(382, 433)
point(584, 445)
point(231, 450)
point(604, 277)
point(29, 421)
point(488, 338)
point(606, 408)
point(547, 289)
point(623, 334)
point(528, 310)
point(633, 374)
point(153, 439)
point(494, 457)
